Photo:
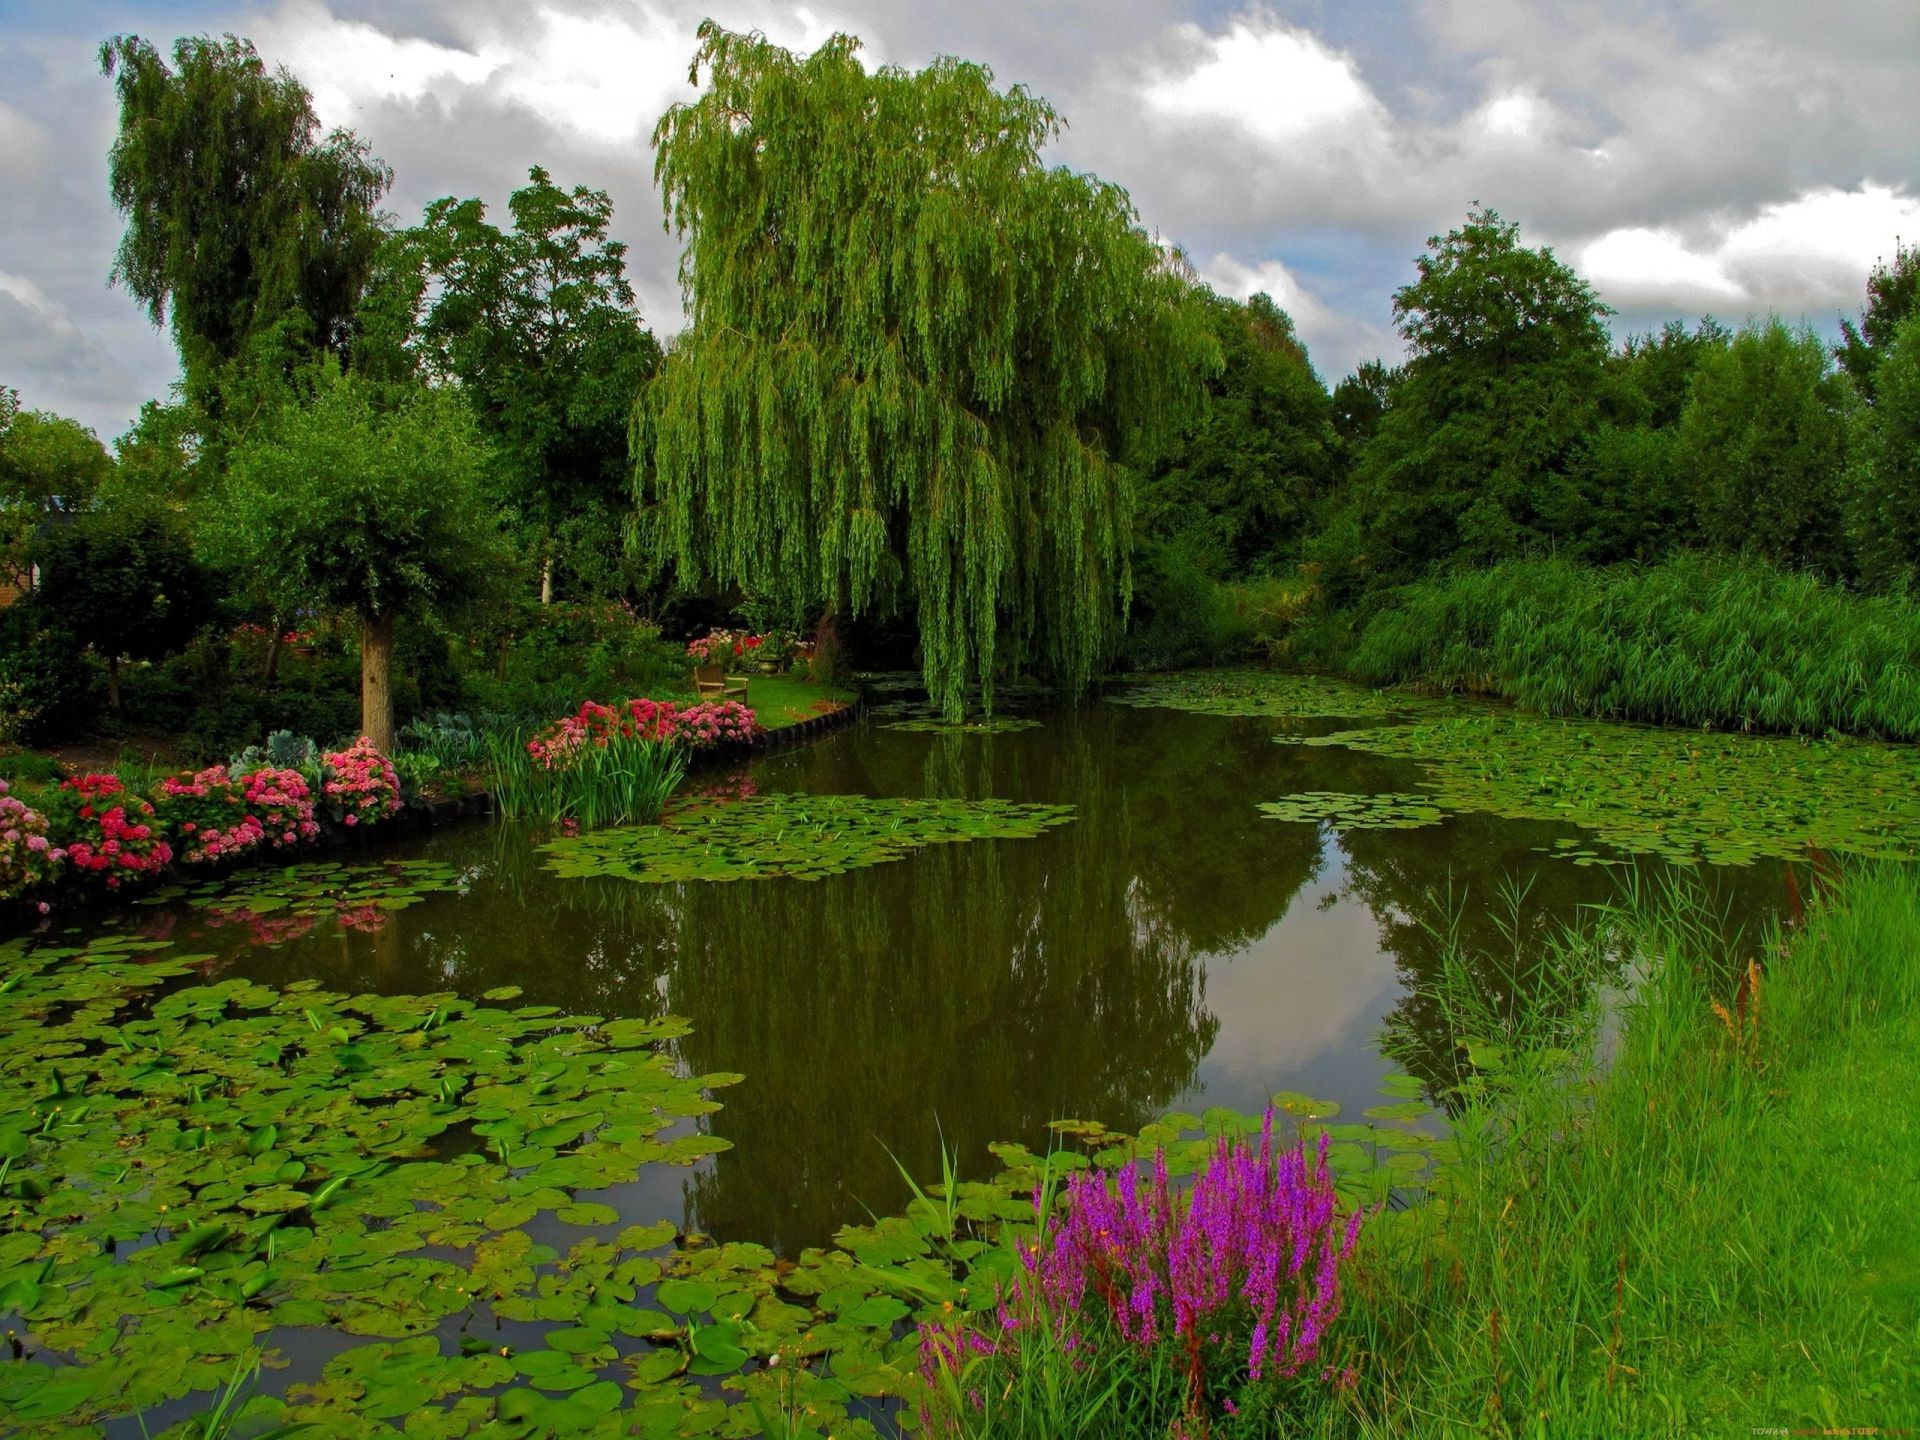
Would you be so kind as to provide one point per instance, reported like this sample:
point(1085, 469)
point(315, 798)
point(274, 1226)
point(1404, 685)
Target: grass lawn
point(782, 700)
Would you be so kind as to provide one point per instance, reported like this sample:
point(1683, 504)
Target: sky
point(1689, 157)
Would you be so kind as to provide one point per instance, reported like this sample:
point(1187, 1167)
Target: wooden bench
point(711, 682)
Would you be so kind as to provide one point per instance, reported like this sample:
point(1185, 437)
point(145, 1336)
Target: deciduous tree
point(371, 500)
point(538, 325)
point(243, 219)
point(1507, 349)
point(920, 362)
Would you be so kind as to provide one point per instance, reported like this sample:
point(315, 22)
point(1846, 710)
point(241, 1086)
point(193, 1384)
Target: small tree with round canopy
point(370, 500)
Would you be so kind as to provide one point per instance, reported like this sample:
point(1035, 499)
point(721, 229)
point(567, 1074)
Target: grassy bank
point(1691, 642)
point(1716, 1233)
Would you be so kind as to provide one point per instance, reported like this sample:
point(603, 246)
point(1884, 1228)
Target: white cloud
point(347, 64)
point(1805, 255)
point(1275, 82)
point(23, 145)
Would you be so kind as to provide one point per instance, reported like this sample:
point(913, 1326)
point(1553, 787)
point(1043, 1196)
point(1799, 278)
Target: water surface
point(1169, 948)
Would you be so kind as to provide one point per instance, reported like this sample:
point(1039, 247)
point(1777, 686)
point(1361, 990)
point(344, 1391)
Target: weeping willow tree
point(921, 364)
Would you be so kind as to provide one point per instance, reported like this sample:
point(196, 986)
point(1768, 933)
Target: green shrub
point(54, 688)
point(1181, 614)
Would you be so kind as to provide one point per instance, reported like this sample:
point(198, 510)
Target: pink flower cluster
point(208, 812)
point(27, 857)
point(1238, 1276)
point(360, 784)
point(777, 649)
point(284, 804)
point(708, 723)
point(215, 814)
point(115, 833)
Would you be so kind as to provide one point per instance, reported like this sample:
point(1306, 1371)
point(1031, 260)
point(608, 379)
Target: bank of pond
point(1439, 1066)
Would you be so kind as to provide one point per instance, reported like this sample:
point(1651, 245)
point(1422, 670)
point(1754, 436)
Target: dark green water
point(1170, 948)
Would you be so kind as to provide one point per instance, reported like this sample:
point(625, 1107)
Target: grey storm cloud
point(1722, 156)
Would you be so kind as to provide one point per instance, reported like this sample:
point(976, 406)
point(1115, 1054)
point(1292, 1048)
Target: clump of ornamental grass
point(1146, 1309)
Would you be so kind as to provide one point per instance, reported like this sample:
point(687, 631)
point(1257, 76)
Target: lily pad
point(1382, 811)
point(803, 837)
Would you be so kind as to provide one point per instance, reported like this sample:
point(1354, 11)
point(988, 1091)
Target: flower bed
point(96, 830)
point(774, 651)
point(699, 726)
point(216, 814)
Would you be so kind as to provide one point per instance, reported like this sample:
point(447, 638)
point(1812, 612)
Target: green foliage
point(1893, 298)
point(1695, 641)
point(49, 467)
point(805, 837)
point(122, 578)
point(1884, 507)
point(50, 685)
point(1683, 1231)
point(1181, 615)
point(1241, 484)
point(1763, 440)
point(539, 661)
point(364, 502)
point(241, 218)
point(876, 407)
point(537, 324)
point(1470, 457)
point(621, 780)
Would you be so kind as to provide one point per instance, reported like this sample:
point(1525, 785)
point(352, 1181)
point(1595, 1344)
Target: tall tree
point(1763, 442)
point(1506, 354)
point(1240, 483)
point(538, 324)
point(920, 362)
point(370, 499)
point(1893, 295)
point(243, 220)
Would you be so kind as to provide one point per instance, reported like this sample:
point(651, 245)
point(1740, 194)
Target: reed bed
point(622, 780)
point(1693, 641)
point(1711, 1232)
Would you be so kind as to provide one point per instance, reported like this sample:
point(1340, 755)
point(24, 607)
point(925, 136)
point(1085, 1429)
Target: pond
point(1145, 938)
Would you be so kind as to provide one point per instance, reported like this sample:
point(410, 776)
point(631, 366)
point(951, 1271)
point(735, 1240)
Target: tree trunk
point(376, 680)
point(113, 682)
point(273, 652)
point(546, 579)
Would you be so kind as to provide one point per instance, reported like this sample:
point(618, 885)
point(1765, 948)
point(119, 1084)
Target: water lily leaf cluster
point(993, 725)
point(187, 1167)
point(1268, 694)
point(319, 889)
point(1383, 810)
point(194, 1173)
point(1685, 795)
point(803, 837)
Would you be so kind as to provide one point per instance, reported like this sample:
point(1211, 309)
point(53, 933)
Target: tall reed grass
point(1712, 1231)
point(620, 781)
point(1692, 641)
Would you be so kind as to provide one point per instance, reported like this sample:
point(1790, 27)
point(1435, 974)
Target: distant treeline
point(1516, 431)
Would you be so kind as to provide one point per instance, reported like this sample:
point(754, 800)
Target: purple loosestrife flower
point(1242, 1268)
